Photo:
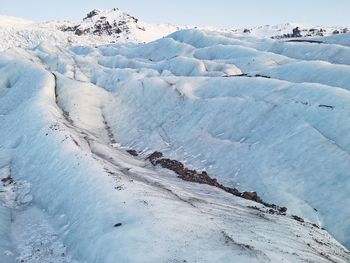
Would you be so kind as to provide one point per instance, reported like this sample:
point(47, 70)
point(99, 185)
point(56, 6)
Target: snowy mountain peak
point(106, 22)
point(111, 15)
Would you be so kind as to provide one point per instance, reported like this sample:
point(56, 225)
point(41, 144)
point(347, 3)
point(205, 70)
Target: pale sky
point(220, 13)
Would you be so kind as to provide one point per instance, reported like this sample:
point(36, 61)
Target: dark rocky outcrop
point(156, 158)
point(132, 152)
point(7, 180)
point(296, 32)
point(91, 14)
point(252, 196)
point(262, 76)
point(297, 218)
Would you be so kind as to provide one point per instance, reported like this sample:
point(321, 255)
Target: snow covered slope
point(17, 33)
point(79, 119)
point(101, 27)
point(97, 28)
point(93, 202)
point(290, 30)
point(245, 130)
point(118, 26)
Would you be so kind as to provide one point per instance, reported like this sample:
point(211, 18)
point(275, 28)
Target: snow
point(336, 54)
point(280, 30)
point(70, 110)
point(36, 241)
point(317, 72)
point(342, 39)
point(17, 32)
point(262, 137)
point(279, 127)
point(5, 214)
point(131, 29)
point(27, 236)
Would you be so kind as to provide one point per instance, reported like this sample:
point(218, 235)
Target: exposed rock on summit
point(110, 23)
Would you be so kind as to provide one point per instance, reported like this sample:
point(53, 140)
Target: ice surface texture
point(246, 110)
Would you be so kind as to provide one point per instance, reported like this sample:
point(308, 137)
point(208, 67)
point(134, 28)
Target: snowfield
point(258, 114)
point(99, 26)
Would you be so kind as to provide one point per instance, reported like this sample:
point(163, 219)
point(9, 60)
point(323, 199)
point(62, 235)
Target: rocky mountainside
point(97, 28)
point(100, 27)
point(98, 22)
point(117, 24)
point(122, 25)
point(291, 30)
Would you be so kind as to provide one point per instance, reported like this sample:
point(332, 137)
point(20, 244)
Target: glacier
point(257, 114)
